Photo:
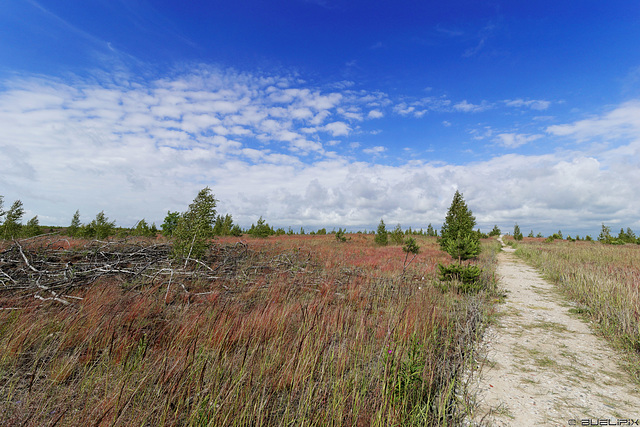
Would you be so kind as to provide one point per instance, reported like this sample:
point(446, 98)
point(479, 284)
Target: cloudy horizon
point(331, 136)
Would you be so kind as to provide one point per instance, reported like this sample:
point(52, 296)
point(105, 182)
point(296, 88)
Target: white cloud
point(534, 104)
point(514, 140)
point(140, 150)
point(375, 114)
point(403, 109)
point(467, 107)
point(623, 121)
point(337, 128)
point(375, 150)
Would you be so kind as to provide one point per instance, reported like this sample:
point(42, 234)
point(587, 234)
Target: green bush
point(32, 228)
point(143, 229)
point(467, 276)
point(397, 236)
point(170, 223)
point(495, 232)
point(261, 229)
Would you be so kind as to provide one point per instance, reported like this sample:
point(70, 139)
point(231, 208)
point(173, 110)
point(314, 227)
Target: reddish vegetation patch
point(284, 330)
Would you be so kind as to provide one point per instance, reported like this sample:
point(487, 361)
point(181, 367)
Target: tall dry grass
point(603, 279)
point(301, 331)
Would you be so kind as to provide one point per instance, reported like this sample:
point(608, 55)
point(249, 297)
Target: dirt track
point(543, 365)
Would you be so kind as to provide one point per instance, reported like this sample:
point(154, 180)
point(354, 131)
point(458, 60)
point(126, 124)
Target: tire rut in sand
point(542, 365)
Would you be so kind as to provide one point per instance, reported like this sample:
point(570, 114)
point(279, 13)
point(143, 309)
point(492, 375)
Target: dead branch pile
point(49, 270)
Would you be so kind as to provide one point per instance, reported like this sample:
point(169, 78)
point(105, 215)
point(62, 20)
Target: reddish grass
point(305, 329)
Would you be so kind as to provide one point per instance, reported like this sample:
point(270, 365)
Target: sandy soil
point(542, 365)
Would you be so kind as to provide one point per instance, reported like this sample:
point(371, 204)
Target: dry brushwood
point(50, 269)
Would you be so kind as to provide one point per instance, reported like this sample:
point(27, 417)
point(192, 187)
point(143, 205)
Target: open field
point(604, 281)
point(279, 331)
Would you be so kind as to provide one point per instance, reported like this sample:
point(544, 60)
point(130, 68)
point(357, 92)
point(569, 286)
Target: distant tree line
point(212, 224)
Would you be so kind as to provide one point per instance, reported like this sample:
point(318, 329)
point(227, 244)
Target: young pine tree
point(101, 226)
point(32, 228)
point(605, 234)
point(397, 236)
point(382, 237)
point(75, 227)
point(13, 221)
point(517, 234)
point(456, 235)
point(170, 223)
point(495, 232)
point(195, 227)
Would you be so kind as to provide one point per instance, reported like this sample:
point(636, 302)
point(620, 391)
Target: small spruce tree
point(195, 227)
point(517, 234)
point(170, 223)
point(410, 247)
point(382, 237)
point(13, 221)
point(458, 239)
point(142, 229)
point(32, 228)
point(456, 235)
point(261, 229)
point(340, 237)
point(101, 226)
point(74, 228)
point(397, 236)
point(605, 234)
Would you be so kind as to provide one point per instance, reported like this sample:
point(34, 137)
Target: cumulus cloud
point(375, 114)
point(260, 142)
point(337, 128)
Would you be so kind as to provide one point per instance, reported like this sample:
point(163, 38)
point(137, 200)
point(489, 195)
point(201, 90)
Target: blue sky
point(322, 113)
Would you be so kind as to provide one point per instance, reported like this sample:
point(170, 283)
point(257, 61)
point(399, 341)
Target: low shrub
point(467, 276)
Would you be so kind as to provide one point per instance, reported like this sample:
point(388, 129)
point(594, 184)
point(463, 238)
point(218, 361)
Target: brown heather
point(299, 330)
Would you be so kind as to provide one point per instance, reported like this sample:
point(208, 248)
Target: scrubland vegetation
point(603, 279)
point(186, 328)
point(203, 323)
point(280, 331)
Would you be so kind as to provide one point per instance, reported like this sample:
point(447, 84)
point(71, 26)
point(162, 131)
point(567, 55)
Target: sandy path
point(543, 366)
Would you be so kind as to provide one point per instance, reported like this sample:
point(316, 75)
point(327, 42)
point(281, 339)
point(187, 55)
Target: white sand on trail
point(541, 365)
